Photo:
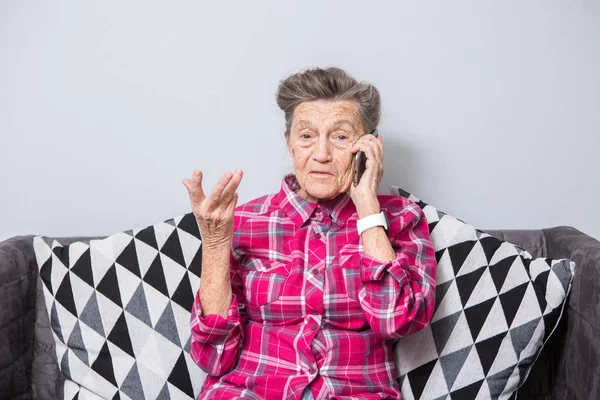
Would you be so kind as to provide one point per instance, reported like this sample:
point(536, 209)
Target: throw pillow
point(119, 309)
point(495, 308)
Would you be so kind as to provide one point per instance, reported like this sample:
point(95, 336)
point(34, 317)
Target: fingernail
point(196, 172)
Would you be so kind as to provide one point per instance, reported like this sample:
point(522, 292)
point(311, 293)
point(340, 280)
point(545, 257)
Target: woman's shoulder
point(261, 206)
point(395, 204)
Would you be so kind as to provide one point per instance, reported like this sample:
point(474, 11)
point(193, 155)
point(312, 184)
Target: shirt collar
point(300, 209)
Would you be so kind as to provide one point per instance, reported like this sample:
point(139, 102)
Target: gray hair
point(328, 84)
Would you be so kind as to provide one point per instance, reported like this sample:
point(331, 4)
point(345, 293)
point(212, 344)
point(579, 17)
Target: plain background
point(491, 110)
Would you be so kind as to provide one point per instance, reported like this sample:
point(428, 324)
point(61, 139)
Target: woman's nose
point(321, 151)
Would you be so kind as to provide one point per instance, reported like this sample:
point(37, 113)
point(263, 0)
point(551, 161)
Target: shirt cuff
point(372, 269)
point(214, 328)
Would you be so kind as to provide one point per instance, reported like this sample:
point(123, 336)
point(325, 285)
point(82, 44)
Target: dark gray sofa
point(568, 367)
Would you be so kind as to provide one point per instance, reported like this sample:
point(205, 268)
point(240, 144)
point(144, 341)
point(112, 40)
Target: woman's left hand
point(364, 195)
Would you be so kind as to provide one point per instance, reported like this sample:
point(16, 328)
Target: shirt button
point(314, 271)
point(318, 235)
point(314, 327)
point(315, 312)
point(311, 371)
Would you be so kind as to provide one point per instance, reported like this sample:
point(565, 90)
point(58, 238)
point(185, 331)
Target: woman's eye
point(305, 136)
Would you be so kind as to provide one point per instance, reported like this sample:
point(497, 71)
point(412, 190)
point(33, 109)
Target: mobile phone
point(360, 161)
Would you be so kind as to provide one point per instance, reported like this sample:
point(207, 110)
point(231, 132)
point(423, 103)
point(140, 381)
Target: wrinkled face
point(321, 135)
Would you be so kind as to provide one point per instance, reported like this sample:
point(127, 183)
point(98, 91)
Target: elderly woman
point(304, 292)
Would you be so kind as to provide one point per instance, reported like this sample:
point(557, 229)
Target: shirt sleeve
point(398, 296)
point(215, 339)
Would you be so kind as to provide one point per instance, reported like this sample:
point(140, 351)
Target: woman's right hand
point(215, 212)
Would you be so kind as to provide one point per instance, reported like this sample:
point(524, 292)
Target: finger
point(366, 142)
point(232, 203)
point(371, 176)
point(370, 151)
point(233, 184)
point(379, 148)
point(220, 186)
point(194, 187)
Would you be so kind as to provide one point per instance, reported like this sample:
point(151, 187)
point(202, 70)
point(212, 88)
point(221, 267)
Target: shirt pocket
point(349, 267)
point(264, 281)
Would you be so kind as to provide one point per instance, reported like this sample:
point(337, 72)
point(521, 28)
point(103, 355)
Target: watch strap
point(371, 221)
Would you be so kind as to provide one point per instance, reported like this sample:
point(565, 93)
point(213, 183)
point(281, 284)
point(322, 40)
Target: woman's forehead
point(334, 114)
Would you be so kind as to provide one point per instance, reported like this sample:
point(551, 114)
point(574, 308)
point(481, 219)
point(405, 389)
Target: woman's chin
point(323, 193)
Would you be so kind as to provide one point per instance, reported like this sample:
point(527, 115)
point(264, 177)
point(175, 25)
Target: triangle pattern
point(459, 253)
point(103, 365)
point(495, 322)
point(466, 284)
point(156, 277)
point(83, 268)
point(436, 384)
point(488, 350)
point(64, 295)
point(419, 376)
point(468, 392)
point(109, 286)
point(132, 385)
point(119, 335)
point(180, 378)
point(484, 290)
point(459, 338)
point(453, 363)
point(46, 274)
point(188, 224)
point(442, 329)
point(138, 306)
point(164, 393)
point(471, 372)
point(477, 315)
point(490, 245)
point(184, 294)
point(189, 246)
point(172, 248)
point(77, 345)
point(500, 270)
point(167, 327)
point(474, 261)
point(145, 255)
point(521, 336)
point(450, 304)
point(511, 301)
point(128, 259)
point(147, 236)
point(528, 309)
point(516, 276)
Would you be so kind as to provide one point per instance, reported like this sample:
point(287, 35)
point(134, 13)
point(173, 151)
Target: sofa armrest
point(579, 363)
point(18, 274)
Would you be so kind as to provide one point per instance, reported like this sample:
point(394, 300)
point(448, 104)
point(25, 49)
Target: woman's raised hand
point(214, 212)
point(364, 195)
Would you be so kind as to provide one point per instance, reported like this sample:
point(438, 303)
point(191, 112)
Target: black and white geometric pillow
point(495, 308)
point(119, 310)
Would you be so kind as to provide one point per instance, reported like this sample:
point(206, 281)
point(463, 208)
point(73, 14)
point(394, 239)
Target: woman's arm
point(397, 268)
point(398, 274)
point(216, 319)
point(216, 337)
point(215, 285)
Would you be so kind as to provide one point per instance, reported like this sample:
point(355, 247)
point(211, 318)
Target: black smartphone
point(360, 162)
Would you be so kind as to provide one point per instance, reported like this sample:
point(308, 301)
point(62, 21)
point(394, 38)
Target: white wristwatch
point(371, 221)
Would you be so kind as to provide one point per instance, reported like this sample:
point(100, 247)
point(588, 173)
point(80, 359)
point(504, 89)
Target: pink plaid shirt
point(310, 308)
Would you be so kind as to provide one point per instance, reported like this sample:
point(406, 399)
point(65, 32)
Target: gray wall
point(491, 110)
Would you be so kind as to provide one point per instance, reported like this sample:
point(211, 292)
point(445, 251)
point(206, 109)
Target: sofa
point(568, 366)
